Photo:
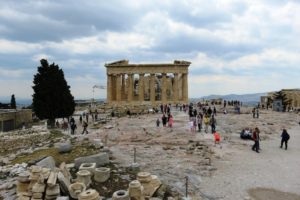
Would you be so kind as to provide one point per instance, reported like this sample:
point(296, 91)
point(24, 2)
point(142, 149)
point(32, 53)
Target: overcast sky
point(235, 46)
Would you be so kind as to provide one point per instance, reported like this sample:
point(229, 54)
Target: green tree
point(13, 104)
point(52, 97)
point(280, 95)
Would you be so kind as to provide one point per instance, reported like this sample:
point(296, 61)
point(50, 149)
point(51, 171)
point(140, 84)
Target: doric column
point(184, 88)
point(130, 87)
point(109, 89)
point(113, 87)
point(118, 87)
point(123, 87)
point(175, 88)
point(164, 88)
point(152, 88)
point(141, 87)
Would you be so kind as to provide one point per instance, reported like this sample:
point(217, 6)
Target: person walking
point(85, 125)
point(257, 113)
point(199, 121)
point(217, 138)
point(87, 117)
point(80, 119)
point(206, 122)
point(72, 121)
point(73, 127)
point(284, 138)
point(213, 123)
point(171, 121)
point(256, 138)
point(215, 111)
point(157, 122)
point(253, 112)
point(164, 120)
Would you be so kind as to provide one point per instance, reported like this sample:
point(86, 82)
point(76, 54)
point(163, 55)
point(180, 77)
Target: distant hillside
point(250, 99)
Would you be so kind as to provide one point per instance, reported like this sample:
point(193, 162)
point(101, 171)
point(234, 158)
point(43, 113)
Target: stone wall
point(18, 116)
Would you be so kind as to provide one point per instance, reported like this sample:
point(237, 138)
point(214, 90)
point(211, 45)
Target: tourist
point(209, 111)
point(217, 138)
point(164, 120)
point(96, 115)
point(253, 112)
point(191, 125)
point(284, 138)
point(87, 117)
point(246, 133)
point(256, 138)
point(57, 124)
point(194, 124)
point(171, 121)
point(65, 125)
point(72, 121)
point(206, 122)
point(157, 122)
point(257, 113)
point(215, 111)
point(195, 112)
point(80, 119)
point(73, 127)
point(85, 125)
point(199, 121)
point(213, 123)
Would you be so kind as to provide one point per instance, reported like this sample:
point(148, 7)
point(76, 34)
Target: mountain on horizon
point(245, 98)
point(249, 99)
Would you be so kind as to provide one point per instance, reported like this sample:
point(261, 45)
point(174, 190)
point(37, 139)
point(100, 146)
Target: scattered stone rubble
point(46, 181)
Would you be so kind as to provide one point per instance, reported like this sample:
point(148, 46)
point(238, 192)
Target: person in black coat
point(284, 138)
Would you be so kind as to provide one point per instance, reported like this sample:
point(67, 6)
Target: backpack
point(287, 136)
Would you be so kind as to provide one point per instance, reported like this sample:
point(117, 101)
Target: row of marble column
point(116, 88)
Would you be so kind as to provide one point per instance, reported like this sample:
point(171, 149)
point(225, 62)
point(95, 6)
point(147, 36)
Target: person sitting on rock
point(246, 134)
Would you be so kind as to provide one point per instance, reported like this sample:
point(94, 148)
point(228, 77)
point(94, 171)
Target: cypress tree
point(13, 104)
point(52, 97)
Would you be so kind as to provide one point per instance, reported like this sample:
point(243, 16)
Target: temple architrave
point(131, 84)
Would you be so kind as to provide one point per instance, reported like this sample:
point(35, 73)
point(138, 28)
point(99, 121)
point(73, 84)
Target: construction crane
point(98, 87)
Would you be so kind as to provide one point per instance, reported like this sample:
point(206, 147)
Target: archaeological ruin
point(11, 119)
point(153, 84)
point(293, 97)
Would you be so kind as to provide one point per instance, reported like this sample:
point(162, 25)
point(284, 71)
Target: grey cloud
point(210, 45)
point(57, 20)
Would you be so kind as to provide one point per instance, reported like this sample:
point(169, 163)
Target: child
point(217, 138)
point(157, 122)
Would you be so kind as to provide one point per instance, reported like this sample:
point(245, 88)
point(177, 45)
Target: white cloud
point(234, 45)
point(12, 73)
point(38, 57)
point(108, 42)
point(9, 47)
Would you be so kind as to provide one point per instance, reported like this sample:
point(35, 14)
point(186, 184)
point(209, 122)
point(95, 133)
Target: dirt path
point(243, 169)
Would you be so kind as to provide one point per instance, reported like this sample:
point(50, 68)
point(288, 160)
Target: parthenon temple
point(147, 83)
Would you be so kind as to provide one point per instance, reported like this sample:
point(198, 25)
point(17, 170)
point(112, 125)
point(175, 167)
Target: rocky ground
point(229, 171)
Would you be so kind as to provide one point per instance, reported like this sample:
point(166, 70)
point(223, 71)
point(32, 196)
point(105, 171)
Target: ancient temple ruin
point(147, 83)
